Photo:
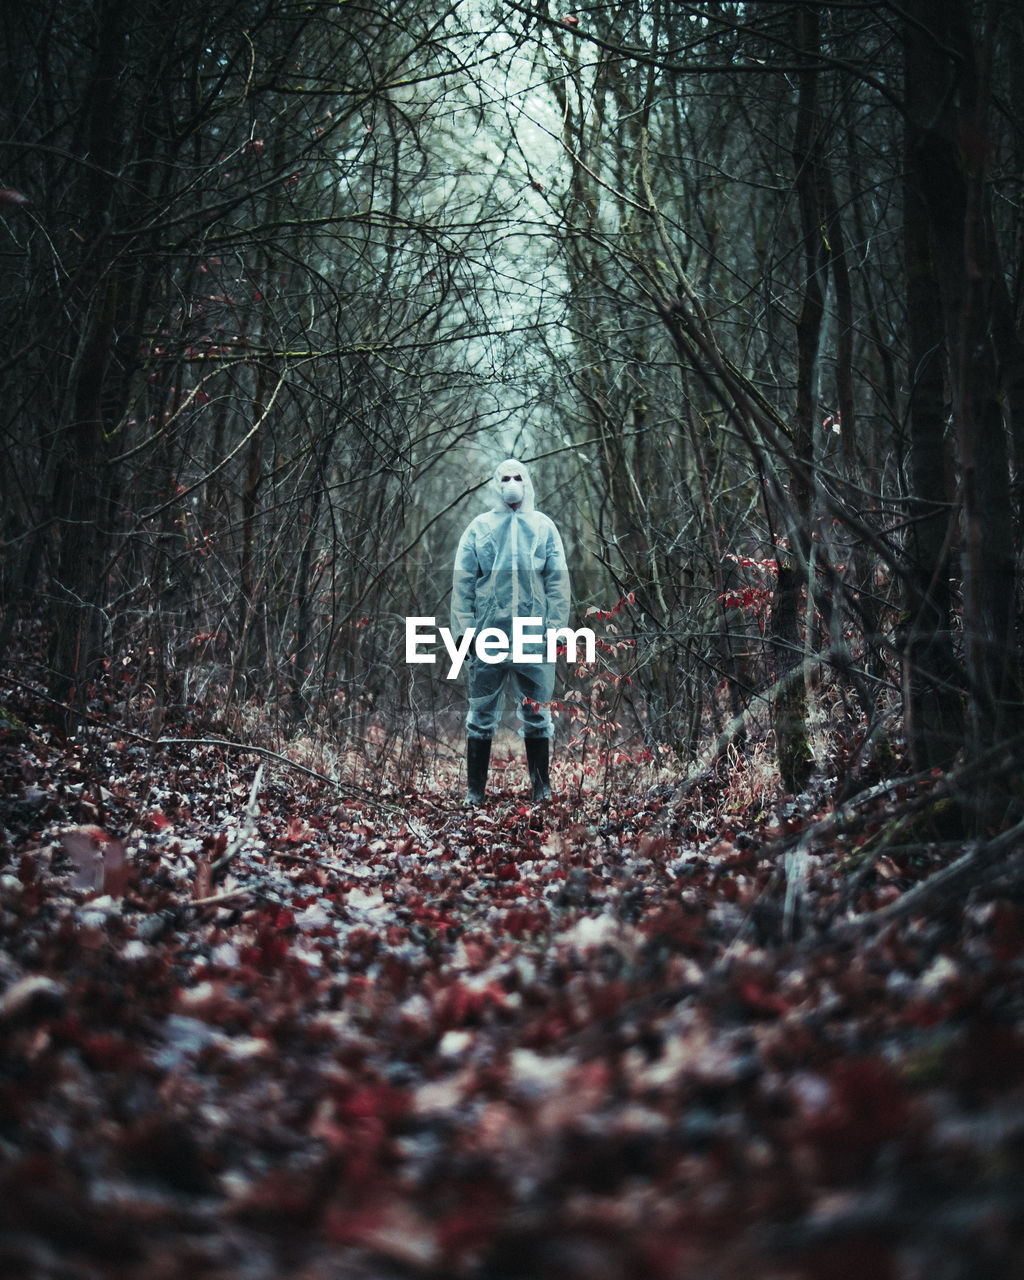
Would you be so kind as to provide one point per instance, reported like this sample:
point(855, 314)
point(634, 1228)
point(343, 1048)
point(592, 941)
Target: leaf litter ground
point(381, 1037)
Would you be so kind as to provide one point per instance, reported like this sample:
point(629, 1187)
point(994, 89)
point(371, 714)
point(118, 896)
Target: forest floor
point(297, 1030)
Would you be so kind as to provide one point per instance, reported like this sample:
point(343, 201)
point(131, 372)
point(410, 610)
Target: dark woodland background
point(281, 282)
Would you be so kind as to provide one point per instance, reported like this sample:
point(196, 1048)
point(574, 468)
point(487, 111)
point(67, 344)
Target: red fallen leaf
point(869, 1106)
point(607, 1000)
point(283, 1198)
point(8, 195)
point(157, 821)
point(272, 942)
point(478, 952)
point(378, 1100)
point(216, 844)
point(103, 1050)
point(39, 1193)
point(391, 1229)
point(571, 21)
point(458, 1004)
point(740, 860)
point(298, 832)
point(522, 920)
point(430, 915)
point(756, 992)
point(729, 889)
point(116, 871)
point(676, 927)
point(466, 1230)
point(651, 846)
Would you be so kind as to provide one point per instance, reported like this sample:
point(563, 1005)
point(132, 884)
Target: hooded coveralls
point(510, 563)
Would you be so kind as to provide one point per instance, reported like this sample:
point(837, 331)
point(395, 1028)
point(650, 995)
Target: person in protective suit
point(510, 563)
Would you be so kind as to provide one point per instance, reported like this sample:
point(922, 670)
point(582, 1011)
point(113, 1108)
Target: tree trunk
point(791, 708)
point(80, 482)
point(947, 102)
point(933, 713)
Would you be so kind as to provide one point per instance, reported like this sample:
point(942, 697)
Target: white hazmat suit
point(510, 563)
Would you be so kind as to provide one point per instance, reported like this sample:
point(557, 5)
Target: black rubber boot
point(537, 755)
point(478, 759)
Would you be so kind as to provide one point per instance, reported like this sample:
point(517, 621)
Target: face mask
point(512, 491)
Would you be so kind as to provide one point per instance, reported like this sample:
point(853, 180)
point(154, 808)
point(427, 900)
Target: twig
point(251, 748)
point(796, 867)
point(245, 832)
point(344, 787)
point(710, 757)
point(978, 858)
point(844, 820)
point(219, 899)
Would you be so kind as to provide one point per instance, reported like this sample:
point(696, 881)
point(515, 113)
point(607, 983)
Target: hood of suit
point(511, 487)
point(510, 561)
